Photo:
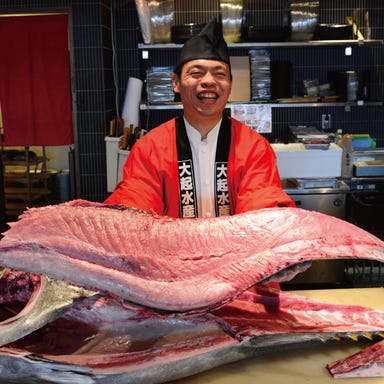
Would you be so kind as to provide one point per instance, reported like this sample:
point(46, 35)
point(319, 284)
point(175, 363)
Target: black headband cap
point(209, 44)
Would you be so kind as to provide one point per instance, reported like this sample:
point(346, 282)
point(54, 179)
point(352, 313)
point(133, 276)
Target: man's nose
point(208, 79)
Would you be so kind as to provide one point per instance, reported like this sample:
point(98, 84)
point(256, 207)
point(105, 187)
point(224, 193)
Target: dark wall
point(104, 57)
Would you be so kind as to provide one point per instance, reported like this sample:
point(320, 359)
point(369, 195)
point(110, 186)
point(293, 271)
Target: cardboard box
point(241, 89)
point(294, 161)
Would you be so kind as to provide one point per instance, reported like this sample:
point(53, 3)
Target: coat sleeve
point(141, 184)
point(257, 182)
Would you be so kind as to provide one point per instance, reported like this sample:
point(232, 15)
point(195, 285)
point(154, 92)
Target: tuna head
point(42, 298)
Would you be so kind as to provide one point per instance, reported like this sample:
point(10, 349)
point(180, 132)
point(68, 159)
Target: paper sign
point(256, 116)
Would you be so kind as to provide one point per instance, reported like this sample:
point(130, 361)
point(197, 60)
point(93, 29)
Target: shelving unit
point(157, 48)
point(280, 44)
point(26, 184)
point(348, 104)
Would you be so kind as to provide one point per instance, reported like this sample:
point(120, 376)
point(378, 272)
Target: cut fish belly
point(106, 341)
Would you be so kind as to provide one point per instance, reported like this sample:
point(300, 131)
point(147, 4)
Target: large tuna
point(158, 261)
point(184, 282)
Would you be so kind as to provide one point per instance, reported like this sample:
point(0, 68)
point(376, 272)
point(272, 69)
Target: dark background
point(104, 54)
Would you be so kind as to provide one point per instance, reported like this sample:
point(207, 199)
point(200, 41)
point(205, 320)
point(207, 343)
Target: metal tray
point(369, 168)
point(322, 146)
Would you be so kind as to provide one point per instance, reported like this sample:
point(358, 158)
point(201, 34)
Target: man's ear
point(175, 82)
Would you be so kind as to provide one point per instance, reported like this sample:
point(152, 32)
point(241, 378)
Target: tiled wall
point(95, 92)
point(99, 48)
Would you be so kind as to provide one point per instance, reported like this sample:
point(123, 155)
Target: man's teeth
point(207, 96)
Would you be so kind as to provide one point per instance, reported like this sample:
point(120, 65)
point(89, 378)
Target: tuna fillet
point(366, 363)
point(158, 262)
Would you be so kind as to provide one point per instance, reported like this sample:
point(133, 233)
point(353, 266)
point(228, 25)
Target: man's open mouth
point(207, 96)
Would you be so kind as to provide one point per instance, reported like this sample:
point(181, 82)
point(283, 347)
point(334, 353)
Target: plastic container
point(111, 146)
point(121, 158)
point(115, 161)
point(294, 161)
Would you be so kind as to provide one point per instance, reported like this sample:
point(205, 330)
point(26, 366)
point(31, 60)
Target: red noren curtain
point(35, 90)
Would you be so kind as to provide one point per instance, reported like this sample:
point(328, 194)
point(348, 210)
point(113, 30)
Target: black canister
point(280, 79)
point(345, 84)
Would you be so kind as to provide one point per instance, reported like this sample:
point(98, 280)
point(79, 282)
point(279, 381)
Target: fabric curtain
point(35, 88)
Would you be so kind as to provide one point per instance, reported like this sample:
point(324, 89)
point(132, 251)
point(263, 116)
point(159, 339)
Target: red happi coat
point(150, 180)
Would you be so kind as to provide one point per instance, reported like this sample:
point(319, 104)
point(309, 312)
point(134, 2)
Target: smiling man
point(204, 87)
point(204, 163)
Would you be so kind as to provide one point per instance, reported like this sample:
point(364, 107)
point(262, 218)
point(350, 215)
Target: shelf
point(25, 194)
point(328, 104)
point(279, 44)
point(33, 177)
point(347, 104)
point(31, 164)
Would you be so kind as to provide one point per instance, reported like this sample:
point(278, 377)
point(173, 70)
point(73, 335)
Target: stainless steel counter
point(298, 366)
point(322, 195)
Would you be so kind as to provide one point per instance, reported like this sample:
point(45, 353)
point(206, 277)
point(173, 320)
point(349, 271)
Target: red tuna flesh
point(366, 363)
point(111, 343)
point(158, 261)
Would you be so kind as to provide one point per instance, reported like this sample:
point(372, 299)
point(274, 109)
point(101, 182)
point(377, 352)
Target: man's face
point(204, 87)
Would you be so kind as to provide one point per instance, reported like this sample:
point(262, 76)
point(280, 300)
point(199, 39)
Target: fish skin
point(158, 261)
point(21, 367)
